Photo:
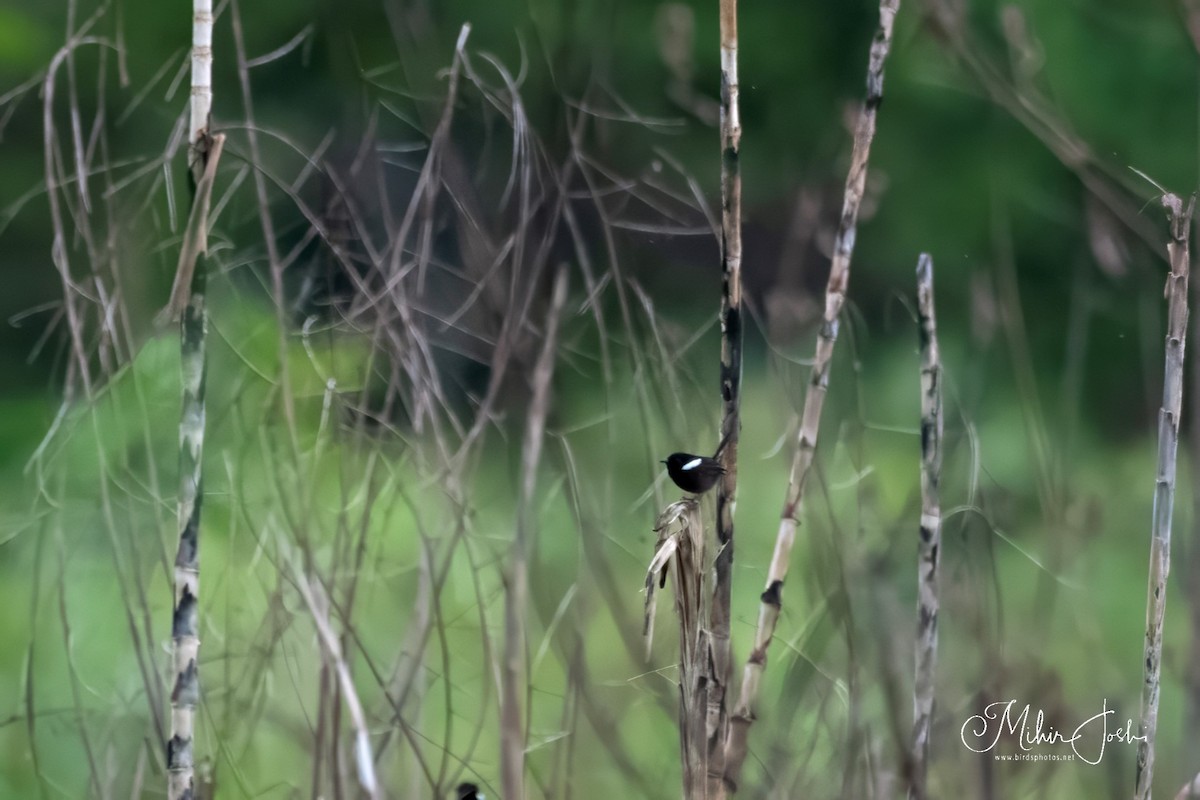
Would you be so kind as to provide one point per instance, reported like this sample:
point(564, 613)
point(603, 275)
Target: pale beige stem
point(1164, 483)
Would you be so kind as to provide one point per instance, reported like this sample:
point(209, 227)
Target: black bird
point(467, 791)
point(695, 474)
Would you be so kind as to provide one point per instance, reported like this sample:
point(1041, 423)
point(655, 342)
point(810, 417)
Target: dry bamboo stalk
point(1191, 580)
point(835, 295)
point(1164, 487)
point(185, 694)
point(731, 383)
point(1191, 576)
point(512, 726)
point(930, 542)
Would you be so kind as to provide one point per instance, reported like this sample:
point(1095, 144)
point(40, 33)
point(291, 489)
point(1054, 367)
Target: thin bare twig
point(835, 295)
point(195, 236)
point(267, 224)
point(512, 727)
point(1028, 107)
point(314, 598)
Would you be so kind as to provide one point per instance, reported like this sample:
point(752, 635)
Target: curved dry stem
point(512, 727)
point(318, 605)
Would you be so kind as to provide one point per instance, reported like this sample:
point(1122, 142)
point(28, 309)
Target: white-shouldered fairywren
point(695, 474)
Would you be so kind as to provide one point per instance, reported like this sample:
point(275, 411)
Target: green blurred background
point(1017, 144)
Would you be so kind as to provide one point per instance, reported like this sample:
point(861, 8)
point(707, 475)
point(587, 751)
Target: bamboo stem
point(731, 382)
point(835, 295)
point(1164, 484)
point(930, 543)
point(185, 640)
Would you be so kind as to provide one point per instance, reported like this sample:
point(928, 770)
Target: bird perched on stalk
point(468, 791)
point(695, 474)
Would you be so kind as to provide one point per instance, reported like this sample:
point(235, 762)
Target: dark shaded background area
point(954, 172)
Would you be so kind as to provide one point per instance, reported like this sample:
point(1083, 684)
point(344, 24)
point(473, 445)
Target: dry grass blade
point(317, 603)
point(737, 745)
point(195, 236)
point(681, 540)
point(656, 573)
point(1164, 482)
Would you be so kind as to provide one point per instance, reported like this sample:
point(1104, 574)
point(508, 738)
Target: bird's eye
point(695, 462)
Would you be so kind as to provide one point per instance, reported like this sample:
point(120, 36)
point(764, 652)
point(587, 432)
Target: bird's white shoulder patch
point(695, 462)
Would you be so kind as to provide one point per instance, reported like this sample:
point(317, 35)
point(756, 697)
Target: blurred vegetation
point(1050, 313)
